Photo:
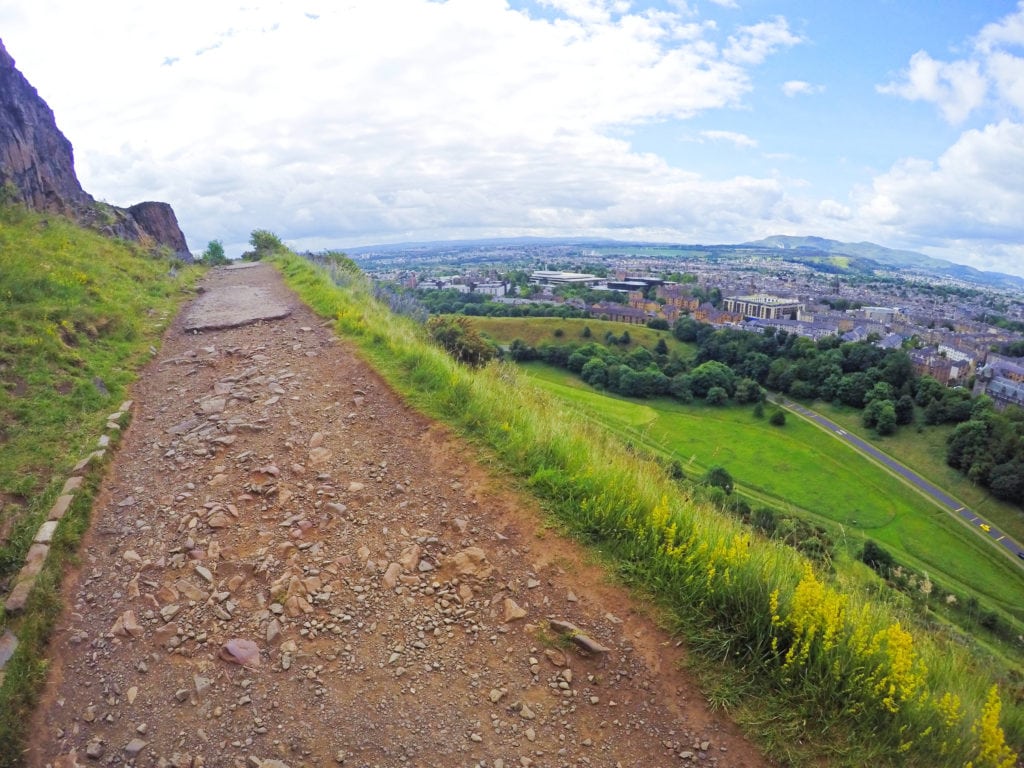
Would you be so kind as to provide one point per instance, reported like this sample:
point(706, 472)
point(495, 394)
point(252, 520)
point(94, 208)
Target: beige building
point(763, 307)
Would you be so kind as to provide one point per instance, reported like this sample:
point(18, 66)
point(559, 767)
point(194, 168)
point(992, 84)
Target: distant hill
point(886, 257)
point(817, 253)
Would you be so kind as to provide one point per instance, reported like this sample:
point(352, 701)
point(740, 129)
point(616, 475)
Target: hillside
point(37, 168)
point(80, 313)
point(909, 261)
point(274, 497)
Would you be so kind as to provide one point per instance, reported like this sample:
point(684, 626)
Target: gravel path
point(289, 567)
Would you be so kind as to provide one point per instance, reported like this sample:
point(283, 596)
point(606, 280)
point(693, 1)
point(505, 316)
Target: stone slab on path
point(230, 303)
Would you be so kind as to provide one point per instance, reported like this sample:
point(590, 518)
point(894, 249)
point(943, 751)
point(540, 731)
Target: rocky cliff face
point(37, 166)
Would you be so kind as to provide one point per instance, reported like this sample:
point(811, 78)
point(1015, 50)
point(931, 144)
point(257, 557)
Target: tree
point(877, 558)
point(521, 352)
point(905, 410)
point(716, 396)
point(928, 389)
point(1006, 481)
point(460, 339)
point(882, 390)
point(719, 477)
point(214, 256)
point(681, 387)
point(748, 391)
point(661, 348)
point(759, 409)
point(595, 372)
point(778, 418)
point(968, 444)
point(658, 324)
point(713, 374)
point(885, 424)
point(265, 243)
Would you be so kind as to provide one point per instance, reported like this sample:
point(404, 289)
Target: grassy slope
point(924, 451)
point(78, 314)
point(539, 330)
point(812, 472)
point(741, 601)
point(801, 468)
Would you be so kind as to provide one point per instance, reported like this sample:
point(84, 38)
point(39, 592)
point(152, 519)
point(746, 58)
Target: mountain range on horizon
point(889, 257)
point(805, 249)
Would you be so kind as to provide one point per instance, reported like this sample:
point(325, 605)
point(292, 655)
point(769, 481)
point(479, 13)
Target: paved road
point(931, 490)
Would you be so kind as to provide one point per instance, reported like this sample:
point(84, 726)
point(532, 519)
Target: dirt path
point(274, 503)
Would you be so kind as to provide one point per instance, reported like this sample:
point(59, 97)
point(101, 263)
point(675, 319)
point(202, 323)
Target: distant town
point(959, 332)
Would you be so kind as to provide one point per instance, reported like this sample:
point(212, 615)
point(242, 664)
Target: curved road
point(929, 489)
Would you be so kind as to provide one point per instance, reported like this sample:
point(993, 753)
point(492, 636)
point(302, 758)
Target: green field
point(540, 330)
point(925, 453)
point(804, 470)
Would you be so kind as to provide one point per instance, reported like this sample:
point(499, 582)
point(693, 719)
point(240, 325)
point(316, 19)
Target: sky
point(342, 123)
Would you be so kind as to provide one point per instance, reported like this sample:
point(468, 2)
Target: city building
point(1002, 379)
point(762, 306)
point(550, 277)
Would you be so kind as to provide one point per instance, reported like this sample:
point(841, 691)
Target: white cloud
point(589, 11)
point(793, 88)
point(832, 209)
point(738, 139)
point(393, 120)
point(1007, 74)
point(974, 191)
point(956, 88)
point(753, 44)
point(1007, 31)
point(726, 3)
point(991, 74)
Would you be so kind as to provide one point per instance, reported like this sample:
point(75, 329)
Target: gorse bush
point(839, 661)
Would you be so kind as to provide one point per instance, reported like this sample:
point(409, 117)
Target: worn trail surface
point(287, 565)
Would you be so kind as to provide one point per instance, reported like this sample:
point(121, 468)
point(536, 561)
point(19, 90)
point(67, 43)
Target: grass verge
point(79, 314)
point(836, 660)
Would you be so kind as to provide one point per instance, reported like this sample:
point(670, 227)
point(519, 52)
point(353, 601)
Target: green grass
point(849, 683)
point(540, 330)
point(923, 449)
point(78, 315)
point(804, 470)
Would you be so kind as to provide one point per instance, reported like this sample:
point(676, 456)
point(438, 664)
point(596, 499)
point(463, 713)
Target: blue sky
point(349, 123)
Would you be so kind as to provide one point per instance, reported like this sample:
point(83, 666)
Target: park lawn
point(540, 330)
point(924, 451)
point(806, 471)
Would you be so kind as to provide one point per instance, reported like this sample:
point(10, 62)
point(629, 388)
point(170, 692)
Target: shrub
point(460, 339)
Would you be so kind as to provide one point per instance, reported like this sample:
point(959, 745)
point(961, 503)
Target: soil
point(289, 566)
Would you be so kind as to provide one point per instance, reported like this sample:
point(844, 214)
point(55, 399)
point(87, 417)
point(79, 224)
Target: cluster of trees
point(986, 445)
point(858, 374)
point(989, 448)
point(451, 302)
point(641, 372)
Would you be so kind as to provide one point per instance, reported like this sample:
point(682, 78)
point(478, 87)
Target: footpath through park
point(287, 566)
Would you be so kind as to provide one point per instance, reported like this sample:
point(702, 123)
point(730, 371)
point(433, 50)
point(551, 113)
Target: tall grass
point(78, 315)
point(829, 655)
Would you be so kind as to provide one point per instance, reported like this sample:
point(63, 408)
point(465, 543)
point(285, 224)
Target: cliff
point(37, 167)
